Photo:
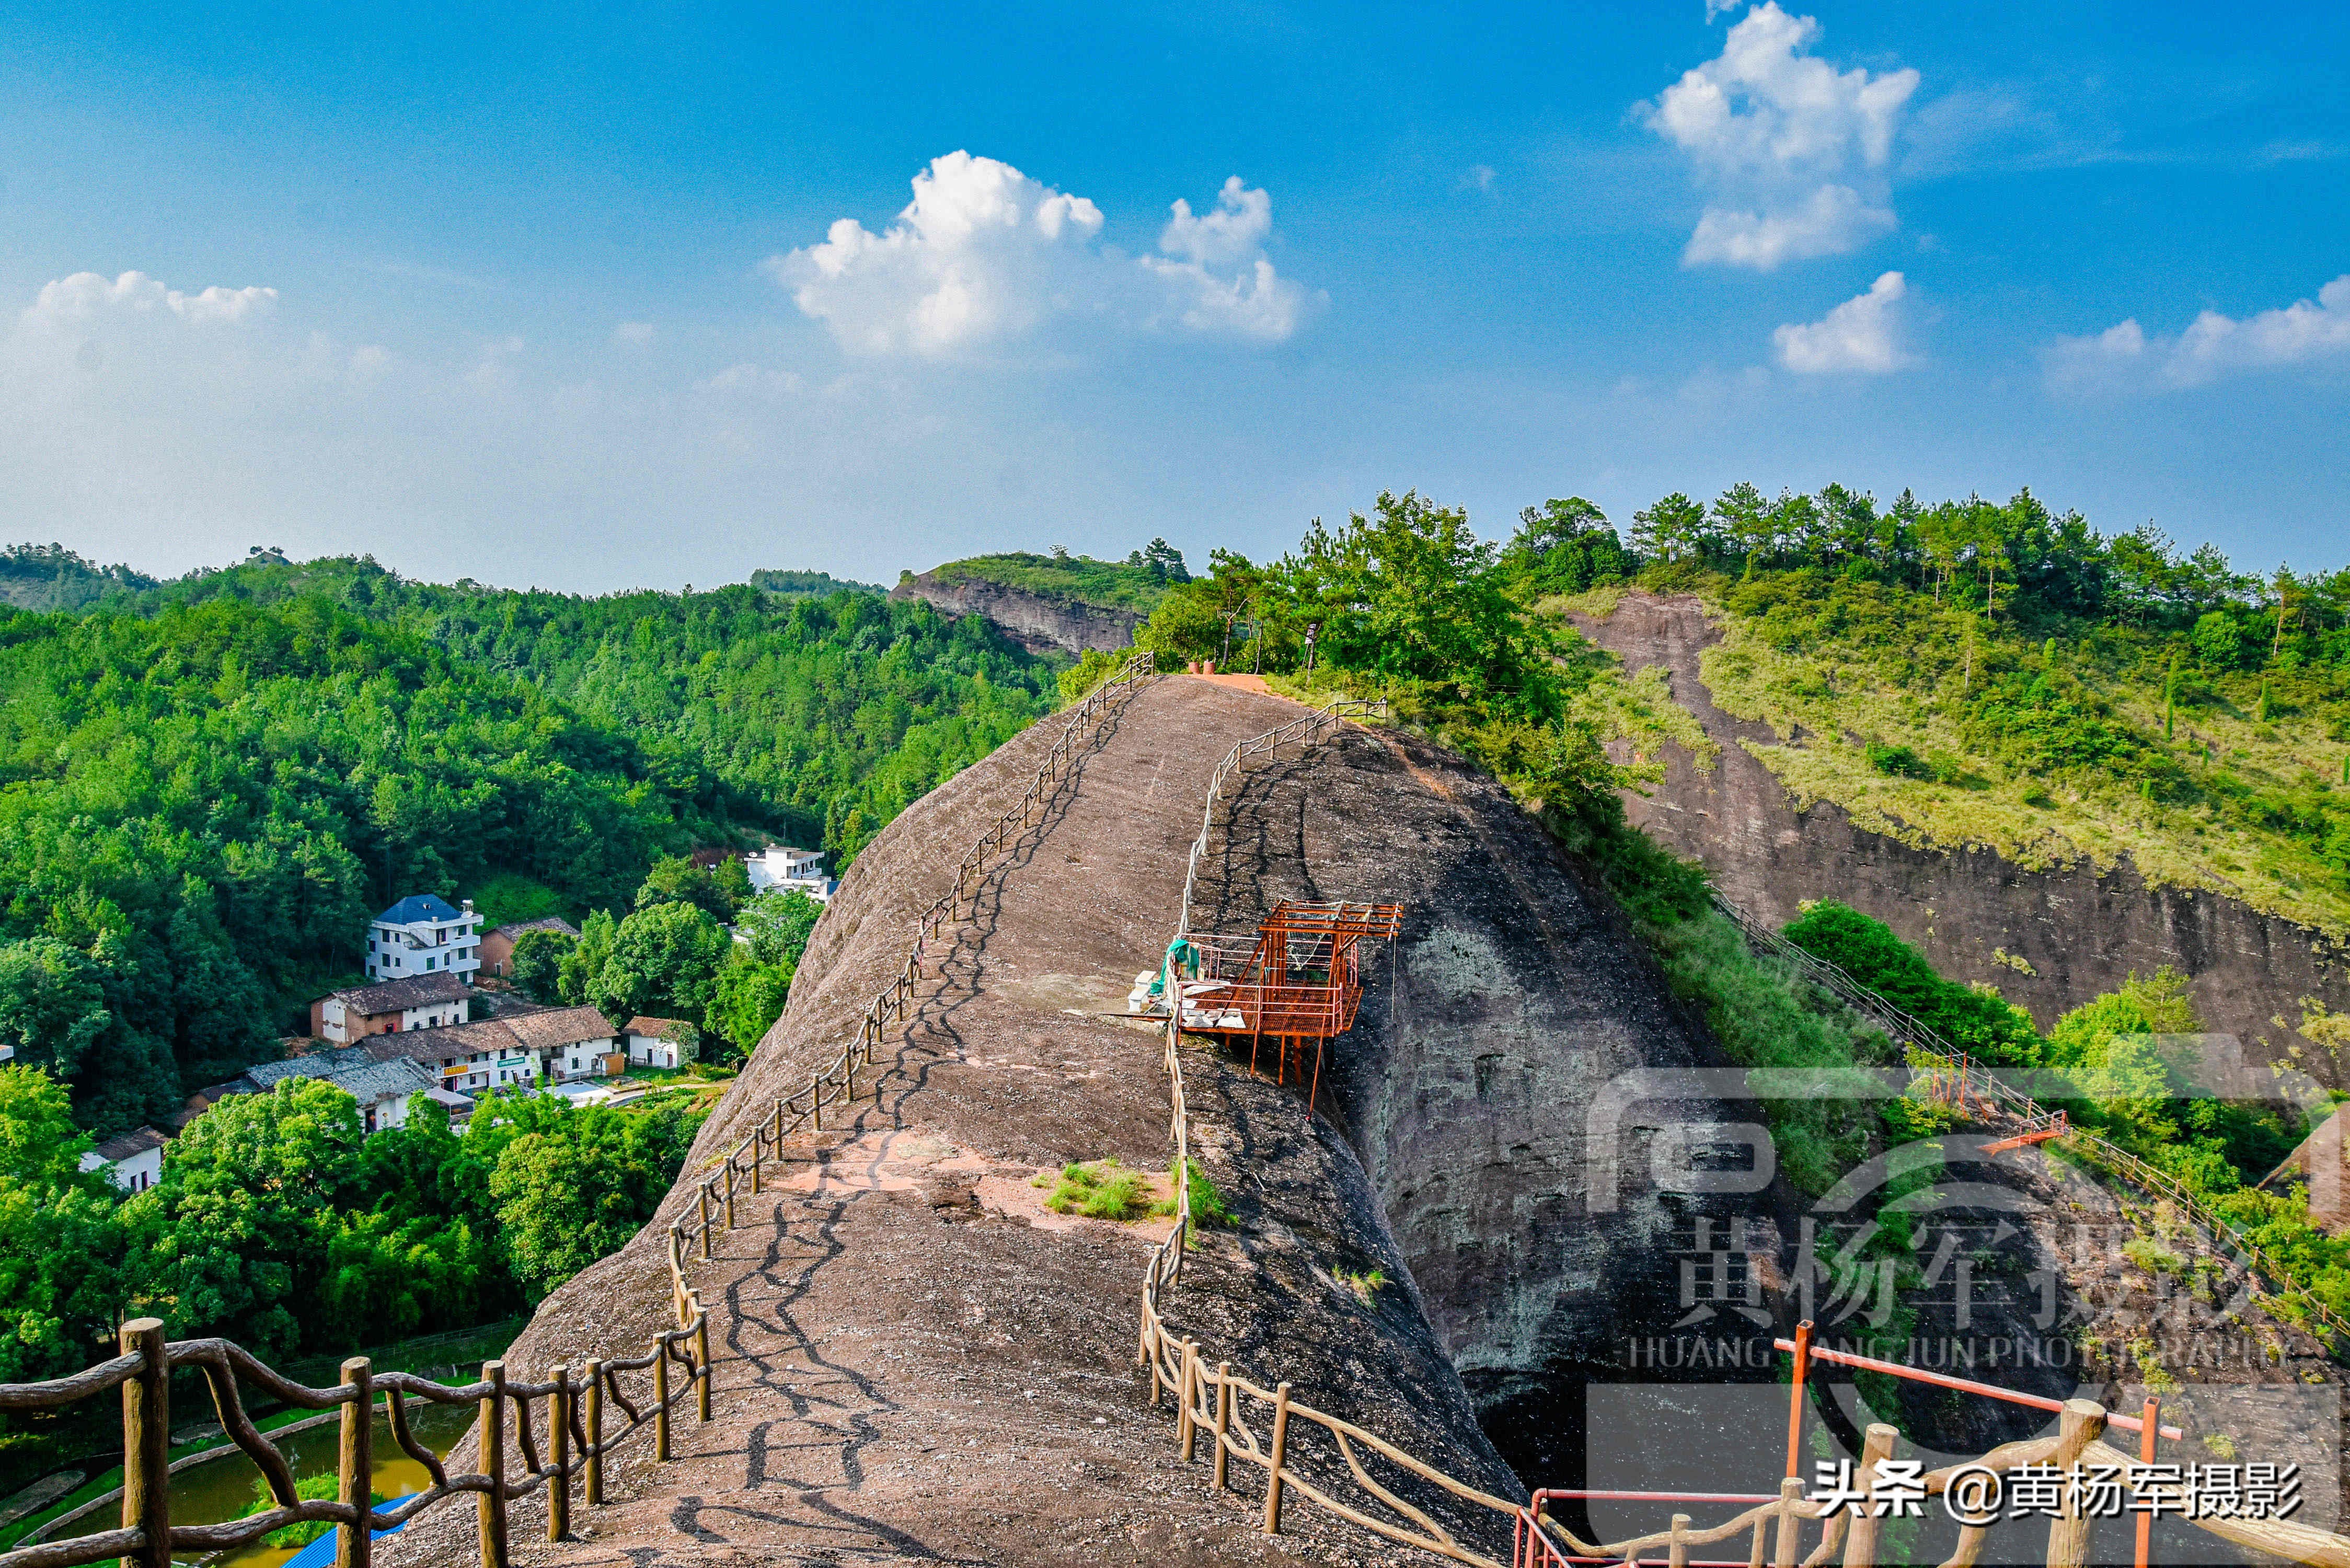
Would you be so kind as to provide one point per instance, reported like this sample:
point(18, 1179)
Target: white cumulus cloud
point(1864, 333)
point(1792, 153)
point(984, 254)
point(1832, 220)
point(1221, 280)
point(2301, 333)
point(87, 295)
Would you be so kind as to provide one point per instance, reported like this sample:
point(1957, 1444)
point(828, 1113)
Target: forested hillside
point(211, 783)
point(1137, 582)
point(51, 577)
point(1997, 675)
point(1960, 673)
point(833, 712)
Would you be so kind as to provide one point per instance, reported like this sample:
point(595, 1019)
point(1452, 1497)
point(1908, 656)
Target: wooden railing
point(1777, 1526)
point(1241, 1418)
point(572, 1402)
point(744, 1165)
point(1304, 732)
point(1957, 1077)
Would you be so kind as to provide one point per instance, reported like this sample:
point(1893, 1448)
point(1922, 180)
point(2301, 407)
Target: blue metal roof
point(417, 907)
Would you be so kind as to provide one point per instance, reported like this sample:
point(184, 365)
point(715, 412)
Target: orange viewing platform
point(1298, 977)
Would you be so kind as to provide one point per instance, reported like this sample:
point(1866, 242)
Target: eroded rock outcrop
point(915, 1360)
point(1514, 1211)
point(2068, 934)
point(1039, 623)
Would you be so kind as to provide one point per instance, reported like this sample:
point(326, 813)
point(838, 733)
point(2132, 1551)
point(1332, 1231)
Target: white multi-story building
point(780, 868)
point(423, 935)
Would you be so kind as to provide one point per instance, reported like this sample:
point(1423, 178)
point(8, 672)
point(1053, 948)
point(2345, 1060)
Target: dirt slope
point(917, 1363)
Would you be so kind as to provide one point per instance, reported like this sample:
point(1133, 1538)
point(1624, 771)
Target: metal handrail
point(1933, 1055)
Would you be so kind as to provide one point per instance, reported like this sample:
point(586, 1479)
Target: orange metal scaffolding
point(1297, 978)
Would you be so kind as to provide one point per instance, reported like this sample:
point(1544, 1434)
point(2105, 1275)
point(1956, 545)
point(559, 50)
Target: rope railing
point(1955, 1076)
point(744, 1165)
point(578, 1440)
point(1241, 1418)
point(574, 1401)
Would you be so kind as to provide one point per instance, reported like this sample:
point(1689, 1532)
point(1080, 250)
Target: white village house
point(423, 935)
point(135, 1158)
point(779, 868)
point(662, 1043)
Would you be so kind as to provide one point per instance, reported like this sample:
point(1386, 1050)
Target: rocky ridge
point(1038, 623)
point(2049, 940)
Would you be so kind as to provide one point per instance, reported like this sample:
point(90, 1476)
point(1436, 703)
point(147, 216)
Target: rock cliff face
point(1514, 1210)
point(916, 1361)
point(1037, 623)
point(1516, 1062)
point(2079, 933)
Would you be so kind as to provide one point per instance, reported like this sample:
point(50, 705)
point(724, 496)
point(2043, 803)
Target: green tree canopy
point(665, 959)
point(538, 959)
point(59, 1241)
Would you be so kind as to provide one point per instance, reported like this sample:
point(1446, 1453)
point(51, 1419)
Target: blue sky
point(568, 299)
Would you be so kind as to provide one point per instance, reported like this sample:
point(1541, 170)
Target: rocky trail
point(914, 1360)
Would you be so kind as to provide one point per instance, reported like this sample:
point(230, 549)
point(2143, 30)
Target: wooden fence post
point(1677, 1552)
point(355, 1465)
point(2083, 1422)
point(701, 1198)
point(701, 1358)
point(493, 1502)
point(146, 1443)
point(730, 1193)
point(815, 1100)
point(1782, 1551)
point(558, 1454)
point(1861, 1545)
point(661, 1398)
point(758, 1157)
point(1223, 1420)
point(779, 1129)
point(1279, 1453)
point(1187, 1386)
point(594, 1412)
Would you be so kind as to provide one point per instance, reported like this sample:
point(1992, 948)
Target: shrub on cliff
point(1984, 1025)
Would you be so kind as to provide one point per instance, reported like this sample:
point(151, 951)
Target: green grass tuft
point(1101, 1190)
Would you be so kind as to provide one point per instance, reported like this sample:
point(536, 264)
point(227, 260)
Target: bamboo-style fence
point(1956, 1078)
point(1242, 1418)
point(571, 1402)
point(744, 1165)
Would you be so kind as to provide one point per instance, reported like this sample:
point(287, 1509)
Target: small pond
point(222, 1489)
